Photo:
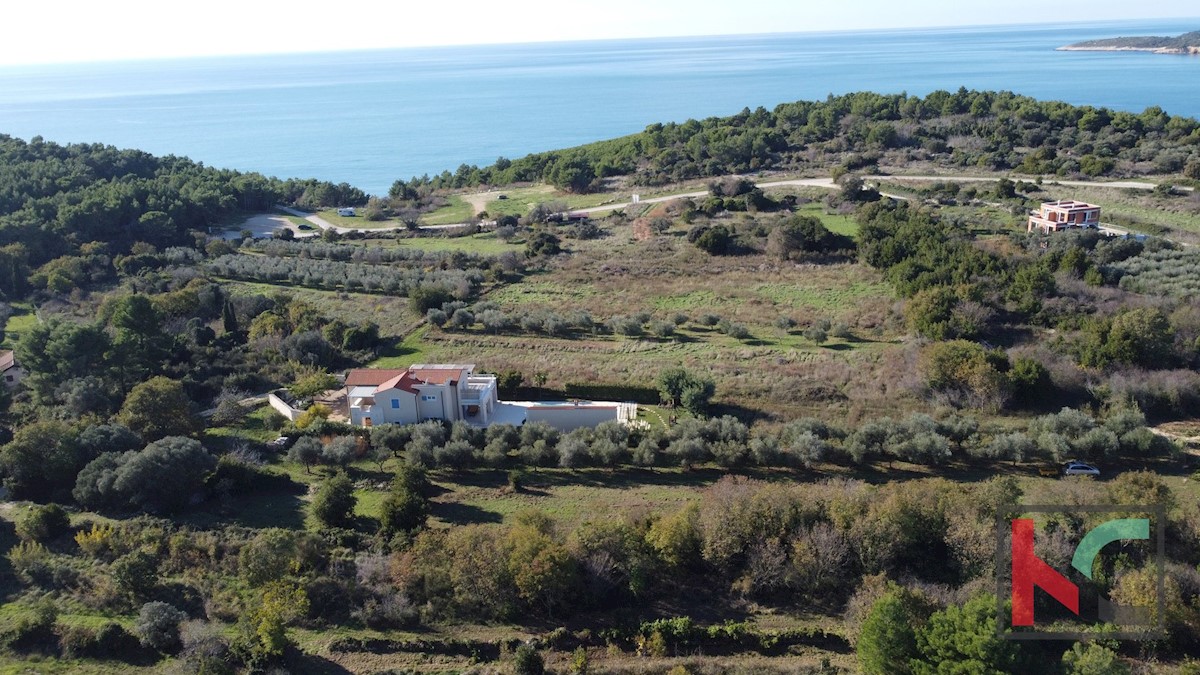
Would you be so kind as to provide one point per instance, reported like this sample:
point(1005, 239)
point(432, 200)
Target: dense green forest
point(154, 523)
point(992, 131)
point(55, 198)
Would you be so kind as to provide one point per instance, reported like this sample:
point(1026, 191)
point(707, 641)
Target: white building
point(1064, 215)
point(449, 392)
point(452, 392)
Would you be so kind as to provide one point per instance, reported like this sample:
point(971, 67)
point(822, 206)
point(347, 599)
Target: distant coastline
point(1187, 44)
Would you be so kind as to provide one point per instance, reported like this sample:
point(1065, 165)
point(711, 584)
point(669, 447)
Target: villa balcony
point(479, 389)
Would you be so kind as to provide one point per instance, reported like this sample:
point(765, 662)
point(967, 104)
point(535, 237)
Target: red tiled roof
point(372, 377)
point(404, 382)
point(440, 375)
point(378, 377)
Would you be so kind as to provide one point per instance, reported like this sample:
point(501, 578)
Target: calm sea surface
point(370, 117)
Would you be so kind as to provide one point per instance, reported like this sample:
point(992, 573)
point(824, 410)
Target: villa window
point(395, 404)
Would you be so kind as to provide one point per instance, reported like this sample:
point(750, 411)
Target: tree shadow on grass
point(396, 350)
point(838, 347)
point(746, 415)
point(457, 513)
point(300, 662)
point(8, 577)
point(271, 509)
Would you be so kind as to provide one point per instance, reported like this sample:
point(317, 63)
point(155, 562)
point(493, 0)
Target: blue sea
point(370, 117)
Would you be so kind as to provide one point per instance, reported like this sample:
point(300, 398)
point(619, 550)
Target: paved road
point(827, 183)
point(1130, 184)
point(830, 184)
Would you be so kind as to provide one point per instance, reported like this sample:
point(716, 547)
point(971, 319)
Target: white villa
point(443, 391)
point(453, 392)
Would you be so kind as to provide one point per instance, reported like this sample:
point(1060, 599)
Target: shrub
point(579, 661)
point(313, 383)
point(662, 329)
point(158, 408)
point(229, 412)
point(43, 523)
point(333, 505)
point(205, 649)
point(529, 661)
point(307, 451)
point(79, 641)
point(314, 415)
point(135, 574)
point(436, 317)
point(96, 542)
point(340, 451)
point(406, 508)
point(964, 637)
point(888, 640)
point(158, 626)
point(164, 477)
point(966, 373)
point(31, 561)
point(680, 386)
point(715, 240)
point(34, 632)
point(737, 331)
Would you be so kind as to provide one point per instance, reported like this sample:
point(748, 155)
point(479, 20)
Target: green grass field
point(519, 201)
point(393, 314)
point(21, 320)
point(456, 210)
point(357, 222)
point(616, 275)
point(404, 352)
point(484, 243)
point(836, 223)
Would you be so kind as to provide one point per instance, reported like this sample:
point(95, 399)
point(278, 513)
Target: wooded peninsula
point(1188, 43)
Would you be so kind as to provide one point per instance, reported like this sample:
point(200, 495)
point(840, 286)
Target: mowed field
point(776, 372)
point(393, 315)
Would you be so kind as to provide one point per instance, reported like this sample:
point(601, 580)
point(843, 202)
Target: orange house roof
point(372, 377)
point(440, 375)
point(404, 382)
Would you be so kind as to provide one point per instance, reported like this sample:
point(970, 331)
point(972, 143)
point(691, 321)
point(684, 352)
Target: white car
point(1080, 469)
point(281, 443)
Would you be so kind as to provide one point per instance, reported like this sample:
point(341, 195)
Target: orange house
point(1064, 214)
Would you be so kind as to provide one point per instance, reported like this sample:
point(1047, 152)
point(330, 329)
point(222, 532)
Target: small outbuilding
point(8, 367)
